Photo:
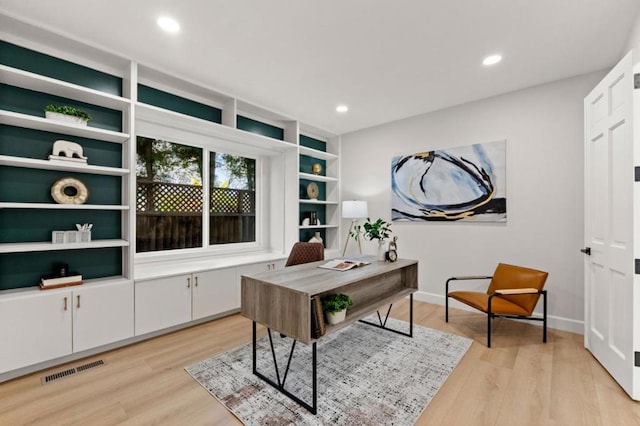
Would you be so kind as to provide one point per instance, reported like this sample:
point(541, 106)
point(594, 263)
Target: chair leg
point(488, 330)
point(489, 321)
point(544, 316)
point(446, 301)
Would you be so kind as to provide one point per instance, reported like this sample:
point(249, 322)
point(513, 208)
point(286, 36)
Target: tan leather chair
point(305, 253)
point(513, 293)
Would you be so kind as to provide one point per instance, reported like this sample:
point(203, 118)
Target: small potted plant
point(379, 230)
point(335, 306)
point(67, 113)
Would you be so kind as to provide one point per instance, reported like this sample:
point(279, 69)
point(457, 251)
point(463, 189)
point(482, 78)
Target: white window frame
point(209, 142)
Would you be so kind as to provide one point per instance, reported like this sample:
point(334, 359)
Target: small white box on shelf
point(71, 236)
point(57, 237)
point(84, 236)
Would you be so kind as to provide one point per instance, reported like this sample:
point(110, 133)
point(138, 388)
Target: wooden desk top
point(309, 279)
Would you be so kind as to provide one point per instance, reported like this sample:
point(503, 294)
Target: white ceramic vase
point(380, 255)
point(316, 238)
point(336, 317)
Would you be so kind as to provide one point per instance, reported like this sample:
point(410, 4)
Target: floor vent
point(70, 372)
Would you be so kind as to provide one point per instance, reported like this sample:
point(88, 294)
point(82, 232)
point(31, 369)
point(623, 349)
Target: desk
point(281, 301)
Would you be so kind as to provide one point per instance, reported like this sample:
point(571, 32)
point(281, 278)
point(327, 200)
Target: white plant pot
point(71, 119)
point(381, 250)
point(336, 317)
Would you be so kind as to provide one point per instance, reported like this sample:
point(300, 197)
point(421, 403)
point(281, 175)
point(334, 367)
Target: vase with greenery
point(335, 307)
point(379, 230)
point(67, 113)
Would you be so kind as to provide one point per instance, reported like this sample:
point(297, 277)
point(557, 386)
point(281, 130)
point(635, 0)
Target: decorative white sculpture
point(69, 149)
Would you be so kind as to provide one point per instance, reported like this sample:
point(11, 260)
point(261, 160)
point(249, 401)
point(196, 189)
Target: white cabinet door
point(162, 303)
point(214, 292)
point(34, 328)
point(102, 314)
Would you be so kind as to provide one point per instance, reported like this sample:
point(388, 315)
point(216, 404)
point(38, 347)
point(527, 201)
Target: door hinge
point(636, 81)
point(637, 359)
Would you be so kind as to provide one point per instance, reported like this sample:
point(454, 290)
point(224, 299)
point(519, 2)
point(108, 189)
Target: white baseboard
point(558, 323)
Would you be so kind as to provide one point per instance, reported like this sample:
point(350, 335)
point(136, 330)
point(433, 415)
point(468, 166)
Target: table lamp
point(353, 210)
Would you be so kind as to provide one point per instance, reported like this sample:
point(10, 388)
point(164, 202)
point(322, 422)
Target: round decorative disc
point(69, 190)
point(313, 191)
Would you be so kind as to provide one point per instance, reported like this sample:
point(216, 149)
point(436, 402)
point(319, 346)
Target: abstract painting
point(453, 184)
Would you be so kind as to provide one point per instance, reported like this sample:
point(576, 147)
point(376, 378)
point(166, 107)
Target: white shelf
point(318, 227)
point(48, 246)
point(38, 123)
point(317, 154)
point(62, 206)
point(326, 203)
point(71, 166)
point(317, 178)
point(31, 81)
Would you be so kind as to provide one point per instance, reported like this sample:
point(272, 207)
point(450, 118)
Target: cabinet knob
point(65, 303)
point(196, 281)
point(188, 282)
point(78, 303)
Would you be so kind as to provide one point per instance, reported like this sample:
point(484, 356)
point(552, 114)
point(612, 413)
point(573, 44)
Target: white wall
point(543, 127)
point(634, 37)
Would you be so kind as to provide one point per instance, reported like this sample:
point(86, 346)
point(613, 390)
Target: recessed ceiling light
point(342, 108)
point(491, 60)
point(168, 24)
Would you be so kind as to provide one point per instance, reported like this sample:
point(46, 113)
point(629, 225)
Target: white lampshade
point(354, 209)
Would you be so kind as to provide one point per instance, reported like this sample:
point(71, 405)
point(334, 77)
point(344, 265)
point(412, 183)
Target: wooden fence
point(169, 216)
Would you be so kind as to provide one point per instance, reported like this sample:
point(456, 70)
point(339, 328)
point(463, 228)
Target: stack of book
point(57, 281)
point(317, 318)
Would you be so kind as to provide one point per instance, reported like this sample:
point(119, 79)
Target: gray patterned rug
point(366, 376)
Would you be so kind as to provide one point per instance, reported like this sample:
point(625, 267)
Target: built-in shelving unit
point(120, 94)
point(320, 149)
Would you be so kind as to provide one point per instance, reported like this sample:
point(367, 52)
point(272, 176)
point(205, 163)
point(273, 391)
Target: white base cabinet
point(102, 314)
point(213, 293)
point(166, 302)
point(39, 326)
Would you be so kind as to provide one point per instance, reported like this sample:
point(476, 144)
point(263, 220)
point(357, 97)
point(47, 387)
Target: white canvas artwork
point(454, 184)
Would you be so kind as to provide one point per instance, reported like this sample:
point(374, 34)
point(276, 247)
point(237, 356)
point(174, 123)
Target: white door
point(34, 328)
point(609, 180)
point(102, 314)
point(162, 303)
point(214, 292)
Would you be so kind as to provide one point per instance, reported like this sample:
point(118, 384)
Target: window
point(170, 197)
point(232, 211)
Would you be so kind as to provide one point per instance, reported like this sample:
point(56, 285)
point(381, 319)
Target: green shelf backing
point(37, 144)
point(155, 97)
point(313, 143)
point(264, 129)
point(29, 60)
point(33, 225)
point(306, 234)
point(306, 165)
point(30, 102)
point(22, 185)
point(25, 269)
point(322, 187)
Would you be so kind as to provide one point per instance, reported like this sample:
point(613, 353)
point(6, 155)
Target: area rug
point(365, 376)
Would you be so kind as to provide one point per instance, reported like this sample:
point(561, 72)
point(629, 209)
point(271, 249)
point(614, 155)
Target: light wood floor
point(519, 381)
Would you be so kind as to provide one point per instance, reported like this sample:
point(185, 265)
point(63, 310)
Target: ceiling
point(385, 59)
